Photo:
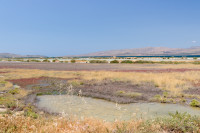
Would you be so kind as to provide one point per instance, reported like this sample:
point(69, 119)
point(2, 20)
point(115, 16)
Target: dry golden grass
point(19, 124)
point(171, 81)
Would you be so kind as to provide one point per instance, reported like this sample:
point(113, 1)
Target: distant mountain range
point(9, 55)
point(149, 51)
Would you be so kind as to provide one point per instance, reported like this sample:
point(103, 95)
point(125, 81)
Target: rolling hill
point(149, 51)
point(9, 55)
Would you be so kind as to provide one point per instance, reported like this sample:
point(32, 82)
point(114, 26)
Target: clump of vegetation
point(183, 100)
point(8, 101)
point(75, 83)
point(157, 98)
point(194, 103)
point(165, 94)
point(179, 122)
point(44, 93)
point(14, 91)
point(98, 61)
point(73, 61)
point(29, 111)
point(34, 60)
point(127, 61)
point(128, 94)
point(114, 61)
point(143, 62)
point(45, 60)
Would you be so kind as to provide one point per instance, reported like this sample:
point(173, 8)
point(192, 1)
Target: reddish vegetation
point(27, 81)
point(3, 72)
point(31, 81)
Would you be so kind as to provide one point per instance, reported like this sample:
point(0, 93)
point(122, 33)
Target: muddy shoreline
point(120, 92)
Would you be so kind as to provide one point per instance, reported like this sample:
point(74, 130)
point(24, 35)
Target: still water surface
point(96, 108)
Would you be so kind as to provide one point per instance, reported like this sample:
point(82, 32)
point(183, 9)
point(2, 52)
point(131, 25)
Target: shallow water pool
point(96, 108)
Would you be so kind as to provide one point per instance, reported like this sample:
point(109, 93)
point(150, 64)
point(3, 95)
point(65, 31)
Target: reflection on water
point(90, 107)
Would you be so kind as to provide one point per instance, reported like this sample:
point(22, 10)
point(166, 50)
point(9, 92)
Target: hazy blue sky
point(68, 27)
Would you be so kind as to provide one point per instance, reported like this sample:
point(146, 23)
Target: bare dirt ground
point(100, 67)
point(116, 91)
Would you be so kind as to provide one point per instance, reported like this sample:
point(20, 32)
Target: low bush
point(73, 61)
point(114, 61)
point(194, 103)
point(143, 62)
point(45, 60)
point(98, 61)
point(28, 111)
point(179, 123)
point(14, 91)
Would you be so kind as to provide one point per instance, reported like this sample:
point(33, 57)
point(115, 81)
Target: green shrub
point(114, 61)
point(157, 97)
point(28, 111)
point(179, 123)
point(34, 61)
point(73, 61)
point(194, 103)
point(165, 94)
point(46, 60)
point(14, 91)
